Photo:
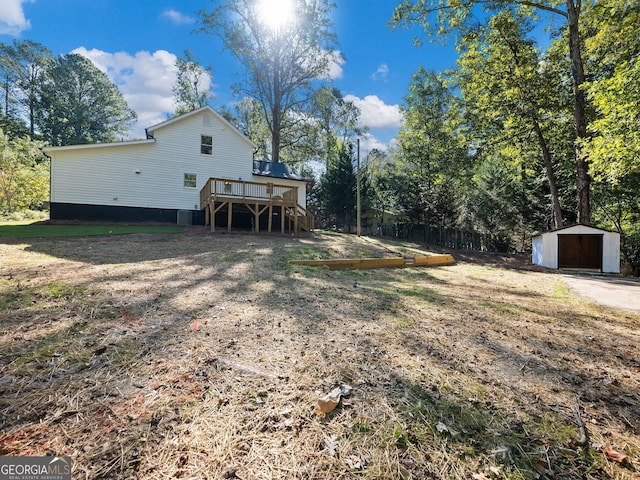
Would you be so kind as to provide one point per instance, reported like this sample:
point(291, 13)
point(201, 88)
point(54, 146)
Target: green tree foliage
point(510, 100)
point(334, 121)
point(249, 118)
point(378, 171)
point(189, 88)
point(79, 104)
point(489, 201)
point(8, 78)
point(24, 174)
point(615, 89)
point(614, 144)
point(440, 18)
point(338, 189)
point(282, 63)
point(617, 207)
point(429, 158)
point(22, 71)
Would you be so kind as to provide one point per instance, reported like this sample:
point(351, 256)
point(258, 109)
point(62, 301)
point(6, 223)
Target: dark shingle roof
point(275, 170)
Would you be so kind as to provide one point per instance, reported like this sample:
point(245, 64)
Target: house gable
point(207, 117)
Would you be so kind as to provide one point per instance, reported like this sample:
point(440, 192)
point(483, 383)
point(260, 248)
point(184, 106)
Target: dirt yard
point(202, 356)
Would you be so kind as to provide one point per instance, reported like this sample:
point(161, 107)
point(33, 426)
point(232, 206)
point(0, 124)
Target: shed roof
point(578, 226)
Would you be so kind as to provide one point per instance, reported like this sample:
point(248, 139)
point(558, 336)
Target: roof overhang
point(583, 229)
point(88, 146)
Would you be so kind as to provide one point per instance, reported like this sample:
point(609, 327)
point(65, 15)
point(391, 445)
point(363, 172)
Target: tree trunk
point(275, 136)
point(583, 180)
point(551, 176)
point(276, 107)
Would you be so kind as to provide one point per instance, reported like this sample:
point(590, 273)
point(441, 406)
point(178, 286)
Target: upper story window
point(206, 144)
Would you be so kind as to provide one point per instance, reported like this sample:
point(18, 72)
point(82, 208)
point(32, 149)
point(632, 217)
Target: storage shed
point(578, 247)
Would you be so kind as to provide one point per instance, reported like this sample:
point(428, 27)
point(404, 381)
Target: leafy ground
point(201, 356)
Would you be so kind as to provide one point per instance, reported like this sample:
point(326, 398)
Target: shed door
point(580, 251)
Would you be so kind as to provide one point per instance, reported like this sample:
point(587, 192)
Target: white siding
point(611, 253)
point(550, 250)
point(302, 186)
point(537, 251)
point(106, 174)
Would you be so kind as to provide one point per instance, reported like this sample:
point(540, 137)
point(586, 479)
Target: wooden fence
point(445, 237)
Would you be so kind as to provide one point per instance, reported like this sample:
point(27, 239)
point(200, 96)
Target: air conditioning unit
point(185, 217)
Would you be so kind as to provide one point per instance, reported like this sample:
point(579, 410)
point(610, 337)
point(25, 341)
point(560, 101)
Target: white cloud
point(381, 73)
point(12, 19)
point(177, 17)
point(145, 79)
point(336, 61)
point(370, 142)
point(376, 114)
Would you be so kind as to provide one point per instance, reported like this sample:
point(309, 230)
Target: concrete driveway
point(620, 293)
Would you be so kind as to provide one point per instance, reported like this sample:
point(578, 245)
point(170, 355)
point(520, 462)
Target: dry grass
point(202, 356)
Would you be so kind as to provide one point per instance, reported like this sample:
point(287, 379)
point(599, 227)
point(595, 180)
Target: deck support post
point(256, 215)
point(282, 215)
point(229, 215)
point(270, 222)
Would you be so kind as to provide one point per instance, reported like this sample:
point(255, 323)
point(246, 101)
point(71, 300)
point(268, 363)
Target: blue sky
point(136, 43)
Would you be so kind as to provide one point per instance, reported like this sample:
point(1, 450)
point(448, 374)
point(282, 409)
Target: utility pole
point(358, 214)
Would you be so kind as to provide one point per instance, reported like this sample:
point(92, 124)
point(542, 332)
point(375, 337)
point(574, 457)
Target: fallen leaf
point(502, 452)
point(543, 467)
point(615, 456)
point(196, 325)
point(345, 389)
point(332, 445)
point(330, 401)
point(441, 427)
point(408, 462)
point(357, 463)
point(495, 471)
point(480, 476)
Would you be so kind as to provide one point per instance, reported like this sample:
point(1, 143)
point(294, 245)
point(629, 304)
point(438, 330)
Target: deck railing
point(247, 191)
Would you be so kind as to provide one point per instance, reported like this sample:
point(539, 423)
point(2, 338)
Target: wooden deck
point(259, 199)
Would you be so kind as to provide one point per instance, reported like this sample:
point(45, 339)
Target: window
point(206, 145)
point(190, 180)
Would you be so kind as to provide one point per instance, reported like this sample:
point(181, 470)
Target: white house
point(172, 175)
point(578, 247)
